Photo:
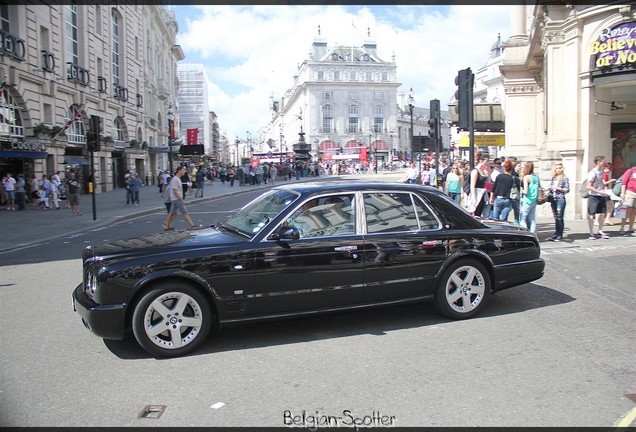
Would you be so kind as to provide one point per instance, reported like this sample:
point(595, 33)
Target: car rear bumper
point(510, 275)
point(106, 321)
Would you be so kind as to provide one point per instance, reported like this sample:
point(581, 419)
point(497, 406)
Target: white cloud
point(252, 52)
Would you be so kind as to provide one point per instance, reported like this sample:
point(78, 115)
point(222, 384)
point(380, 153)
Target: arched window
point(10, 120)
point(118, 132)
point(75, 133)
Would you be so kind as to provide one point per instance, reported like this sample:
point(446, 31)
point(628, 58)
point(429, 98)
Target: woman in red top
point(628, 195)
point(608, 182)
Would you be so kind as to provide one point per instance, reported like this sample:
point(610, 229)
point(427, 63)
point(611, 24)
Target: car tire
point(463, 289)
point(158, 319)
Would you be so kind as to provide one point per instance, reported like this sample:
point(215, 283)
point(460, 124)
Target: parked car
point(300, 249)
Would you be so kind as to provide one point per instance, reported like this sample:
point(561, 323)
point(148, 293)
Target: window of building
point(385, 76)
point(10, 120)
point(75, 132)
point(369, 76)
point(321, 75)
point(378, 95)
point(4, 18)
point(98, 19)
point(327, 94)
point(353, 95)
point(70, 27)
point(336, 75)
point(378, 119)
point(353, 119)
point(353, 76)
point(118, 132)
point(327, 119)
point(47, 113)
point(115, 47)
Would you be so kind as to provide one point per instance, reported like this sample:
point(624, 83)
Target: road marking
point(577, 249)
point(627, 419)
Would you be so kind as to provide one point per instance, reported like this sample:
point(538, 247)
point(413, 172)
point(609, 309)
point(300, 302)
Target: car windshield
point(250, 219)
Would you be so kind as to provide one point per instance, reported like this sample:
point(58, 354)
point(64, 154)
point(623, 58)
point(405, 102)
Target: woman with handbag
point(559, 186)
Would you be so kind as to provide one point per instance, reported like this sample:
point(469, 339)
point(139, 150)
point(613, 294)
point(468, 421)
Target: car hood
point(162, 242)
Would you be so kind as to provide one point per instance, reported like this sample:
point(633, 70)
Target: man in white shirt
point(496, 169)
point(56, 181)
point(597, 200)
point(8, 182)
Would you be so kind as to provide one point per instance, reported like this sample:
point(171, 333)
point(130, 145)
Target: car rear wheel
point(463, 289)
point(171, 319)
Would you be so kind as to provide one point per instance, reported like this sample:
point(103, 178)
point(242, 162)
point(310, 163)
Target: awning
point(19, 154)
point(71, 160)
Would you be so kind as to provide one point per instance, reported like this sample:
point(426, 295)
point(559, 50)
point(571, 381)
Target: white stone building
point(63, 64)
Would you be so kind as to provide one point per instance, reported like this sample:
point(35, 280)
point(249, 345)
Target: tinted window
point(389, 212)
point(424, 215)
point(325, 216)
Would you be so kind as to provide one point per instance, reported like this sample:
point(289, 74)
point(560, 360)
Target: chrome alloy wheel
point(465, 289)
point(173, 320)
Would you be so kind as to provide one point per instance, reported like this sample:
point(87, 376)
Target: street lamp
point(170, 134)
point(280, 149)
point(411, 106)
point(237, 142)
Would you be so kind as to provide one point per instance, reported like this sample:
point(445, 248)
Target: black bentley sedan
point(302, 249)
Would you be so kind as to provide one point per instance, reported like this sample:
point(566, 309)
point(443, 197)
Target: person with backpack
point(530, 197)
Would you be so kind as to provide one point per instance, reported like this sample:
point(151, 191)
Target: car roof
point(345, 185)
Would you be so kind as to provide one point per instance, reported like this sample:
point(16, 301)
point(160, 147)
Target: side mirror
point(285, 232)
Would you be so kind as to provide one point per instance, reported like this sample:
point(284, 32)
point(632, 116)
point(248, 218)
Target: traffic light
point(464, 83)
point(433, 119)
point(93, 143)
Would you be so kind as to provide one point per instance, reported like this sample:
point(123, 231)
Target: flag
point(193, 136)
point(76, 117)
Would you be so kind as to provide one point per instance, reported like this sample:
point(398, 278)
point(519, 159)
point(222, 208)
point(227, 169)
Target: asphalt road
point(557, 352)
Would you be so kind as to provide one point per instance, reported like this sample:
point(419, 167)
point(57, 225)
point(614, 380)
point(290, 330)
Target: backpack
point(617, 187)
point(584, 191)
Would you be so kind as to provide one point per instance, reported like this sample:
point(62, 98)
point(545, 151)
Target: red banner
point(193, 136)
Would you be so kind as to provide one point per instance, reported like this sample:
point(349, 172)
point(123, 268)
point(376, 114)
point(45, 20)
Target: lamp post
point(237, 142)
point(411, 106)
point(170, 133)
point(280, 149)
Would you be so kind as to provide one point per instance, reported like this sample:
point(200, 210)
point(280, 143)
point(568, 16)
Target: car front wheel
point(172, 319)
point(463, 289)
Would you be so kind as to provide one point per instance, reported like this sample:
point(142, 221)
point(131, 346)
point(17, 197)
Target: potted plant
point(144, 145)
point(41, 130)
point(134, 143)
point(107, 139)
point(54, 131)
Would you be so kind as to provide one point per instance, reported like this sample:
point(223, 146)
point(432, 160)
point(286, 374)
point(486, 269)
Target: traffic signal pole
point(464, 81)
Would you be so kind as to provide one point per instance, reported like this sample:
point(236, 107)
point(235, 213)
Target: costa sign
point(615, 46)
point(24, 145)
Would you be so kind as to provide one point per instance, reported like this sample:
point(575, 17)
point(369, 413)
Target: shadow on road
point(375, 321)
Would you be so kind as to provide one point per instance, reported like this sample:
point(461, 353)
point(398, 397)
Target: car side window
point(389, 212)
point(425, 216)
point(325, 216)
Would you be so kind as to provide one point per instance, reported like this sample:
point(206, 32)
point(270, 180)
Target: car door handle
point(345, 248)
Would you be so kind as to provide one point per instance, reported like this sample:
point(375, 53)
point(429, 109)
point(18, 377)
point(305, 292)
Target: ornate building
point(570, 89)
point(62, 65)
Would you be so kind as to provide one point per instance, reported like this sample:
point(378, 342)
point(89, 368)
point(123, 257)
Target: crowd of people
point(43, 194)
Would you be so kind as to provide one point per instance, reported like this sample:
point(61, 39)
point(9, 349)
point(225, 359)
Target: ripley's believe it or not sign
point(615, 46)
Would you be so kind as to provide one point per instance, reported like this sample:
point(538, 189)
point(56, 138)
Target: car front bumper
point(106, 321)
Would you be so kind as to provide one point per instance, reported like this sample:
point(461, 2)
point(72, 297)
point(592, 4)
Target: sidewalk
point(31, 226)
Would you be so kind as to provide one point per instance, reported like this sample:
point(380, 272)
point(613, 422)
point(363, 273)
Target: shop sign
point(615, 46)
point(24, 146)
point(486, 140)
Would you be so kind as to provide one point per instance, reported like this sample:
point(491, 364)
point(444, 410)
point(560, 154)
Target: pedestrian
point(411, 174)
point(530, 195)
point(54, 195)
point(8, 183)
point(628, 195)
point(185, 182)
point(559, 186)
point(43, 198)
point(20, 191)
point(176, 201)
point(500, 196)
point(231, 175)
point(478, 177)
point(453, 183)
point(129, 194)
point(160, 183)
point(273, 172)
point(135, 188)
point(33, 190)
point(73, 188)
point(200, 179)
point(608, 183)
point(166, 196)
point(597, 199)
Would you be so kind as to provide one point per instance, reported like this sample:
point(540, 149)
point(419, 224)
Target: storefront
point(20, 157)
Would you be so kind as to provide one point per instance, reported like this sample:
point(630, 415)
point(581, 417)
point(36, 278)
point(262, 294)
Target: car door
point(404, 246)
point(322, 269)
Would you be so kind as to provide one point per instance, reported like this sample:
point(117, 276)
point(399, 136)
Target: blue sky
point(252, 52)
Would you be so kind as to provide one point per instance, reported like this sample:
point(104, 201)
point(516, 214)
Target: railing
point(76, 138)
point(119, 144)
point(11, 130)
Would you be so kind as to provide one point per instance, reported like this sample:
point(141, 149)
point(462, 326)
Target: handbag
point(542, 199)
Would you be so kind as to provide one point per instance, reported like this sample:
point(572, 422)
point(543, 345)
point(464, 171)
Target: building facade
point(63, 64)
point(569, 76)
point(192, 100)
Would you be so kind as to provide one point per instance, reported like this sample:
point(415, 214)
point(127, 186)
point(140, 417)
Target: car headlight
point(91, 283)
